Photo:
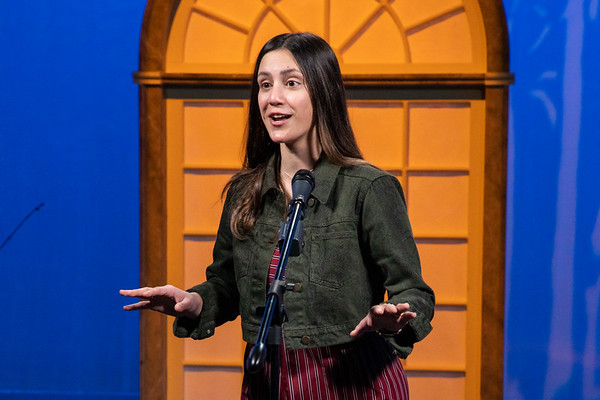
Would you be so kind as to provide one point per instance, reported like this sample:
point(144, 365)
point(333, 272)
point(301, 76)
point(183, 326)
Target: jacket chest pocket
point(335, 258)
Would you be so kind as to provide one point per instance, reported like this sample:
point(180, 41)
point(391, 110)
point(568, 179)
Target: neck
point(303, 155)
point(292, 162)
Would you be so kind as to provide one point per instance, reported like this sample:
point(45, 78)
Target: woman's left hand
point(385, 316)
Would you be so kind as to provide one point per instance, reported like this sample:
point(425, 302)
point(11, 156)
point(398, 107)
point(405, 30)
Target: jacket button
point(305, 339)
point(311, 201)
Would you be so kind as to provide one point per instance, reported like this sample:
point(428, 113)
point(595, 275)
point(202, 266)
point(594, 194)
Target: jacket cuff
point(184, 327)
point(201, 327)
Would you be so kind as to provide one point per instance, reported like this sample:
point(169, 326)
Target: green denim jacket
point(358, 244)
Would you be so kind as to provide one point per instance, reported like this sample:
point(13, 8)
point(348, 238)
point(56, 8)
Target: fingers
point(165, 299)
point(389, 308)
point(384, 316)
point(369, 322)
point(183, 306)
point(140, 305)
point(362, 327)
point(190, 305)
point(148, 292)
point(140, 293)
point(147, 296)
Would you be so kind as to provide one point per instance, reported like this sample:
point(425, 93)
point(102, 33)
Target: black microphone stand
point(270, 331)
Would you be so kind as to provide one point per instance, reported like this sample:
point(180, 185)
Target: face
point(283, 98)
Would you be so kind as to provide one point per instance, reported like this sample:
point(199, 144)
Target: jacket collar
point(325, 175)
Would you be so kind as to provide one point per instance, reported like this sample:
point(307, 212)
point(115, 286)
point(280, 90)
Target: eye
point(264, 84)
point(292, 83)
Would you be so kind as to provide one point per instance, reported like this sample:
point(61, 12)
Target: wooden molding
point(158, 78)
point(153, 248)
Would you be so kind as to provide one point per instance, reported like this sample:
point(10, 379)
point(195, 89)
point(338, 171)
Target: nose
point(276, 95)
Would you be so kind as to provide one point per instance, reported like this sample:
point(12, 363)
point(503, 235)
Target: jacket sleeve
point(219, 292)
point(388, 233)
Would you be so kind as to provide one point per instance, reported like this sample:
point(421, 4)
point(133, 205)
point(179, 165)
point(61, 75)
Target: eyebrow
point(284, 72)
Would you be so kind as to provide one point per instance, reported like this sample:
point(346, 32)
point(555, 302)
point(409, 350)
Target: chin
point(278, 139)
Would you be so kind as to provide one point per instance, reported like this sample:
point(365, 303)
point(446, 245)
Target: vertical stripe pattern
point(366, 369)
point(273, 265)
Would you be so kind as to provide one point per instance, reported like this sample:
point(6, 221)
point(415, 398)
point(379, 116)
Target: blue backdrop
point(553, 246)
point(69, 140)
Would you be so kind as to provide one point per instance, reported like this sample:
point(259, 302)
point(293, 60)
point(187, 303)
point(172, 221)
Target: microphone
point(303, 184)
point(290, 244)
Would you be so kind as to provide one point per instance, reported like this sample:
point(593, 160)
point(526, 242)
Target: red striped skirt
point(366, 369)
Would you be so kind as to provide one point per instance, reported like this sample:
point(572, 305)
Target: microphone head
point(303, 184)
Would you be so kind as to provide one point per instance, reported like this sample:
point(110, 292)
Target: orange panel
point(439, 135)
point(242, 11)
point(445, 347)
point(237, 30)
point(447, 41)
point(197, 256)
point(307, 15)
point(224, 348)
point(378, 128)
point(228, 49)
point(269, 27)
point(438, 205)
point(369, 49)
point(436, 386)
point(213, 134)
point(202, 202)
point(445, 270)
point(212, 383)
point(345, 20)
point(417, 12)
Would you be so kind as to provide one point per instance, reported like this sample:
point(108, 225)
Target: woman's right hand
point(165, 299)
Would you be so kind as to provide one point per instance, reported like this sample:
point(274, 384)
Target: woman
point(342, 339)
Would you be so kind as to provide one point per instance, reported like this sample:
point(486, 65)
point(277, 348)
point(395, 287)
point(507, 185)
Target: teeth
point(279, 117)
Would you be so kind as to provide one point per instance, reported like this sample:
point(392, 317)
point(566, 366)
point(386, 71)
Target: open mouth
point(279, 117)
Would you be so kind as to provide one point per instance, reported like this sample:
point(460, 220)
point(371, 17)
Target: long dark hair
point(325, 86)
